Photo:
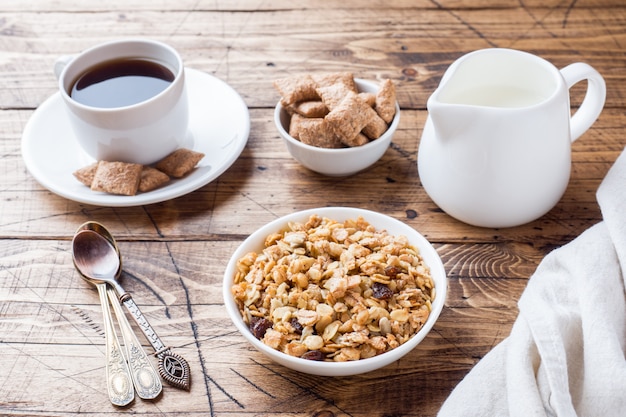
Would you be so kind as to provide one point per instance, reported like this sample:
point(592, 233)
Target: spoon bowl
point(97, 256)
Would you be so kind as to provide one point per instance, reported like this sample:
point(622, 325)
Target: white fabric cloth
point(565, 355)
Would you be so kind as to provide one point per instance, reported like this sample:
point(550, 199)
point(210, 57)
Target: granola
point(334, 291)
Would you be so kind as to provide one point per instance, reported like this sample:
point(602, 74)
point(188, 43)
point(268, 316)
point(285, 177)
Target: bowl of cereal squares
point(335, 124)
point(335, 291)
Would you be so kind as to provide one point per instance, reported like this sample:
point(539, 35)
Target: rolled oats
point(334, 291)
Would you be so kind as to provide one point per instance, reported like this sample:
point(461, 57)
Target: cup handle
point(61, 63)
point(593, 102)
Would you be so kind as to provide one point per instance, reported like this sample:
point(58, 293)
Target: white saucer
point(219, 122)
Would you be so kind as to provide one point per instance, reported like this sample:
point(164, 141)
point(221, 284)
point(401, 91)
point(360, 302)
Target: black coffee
point(121, 82)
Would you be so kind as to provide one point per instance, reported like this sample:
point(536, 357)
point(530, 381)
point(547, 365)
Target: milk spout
point(450, 120)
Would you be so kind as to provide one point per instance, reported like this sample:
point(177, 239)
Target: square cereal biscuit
point(311, 109)
point(179, 163)
point(369, 98)
point(375, 126)
point(117, 178)
point(86, 174)
point(386, 101)
point(360, 140)
point(345, 78)
point(332, 95)
point(294, 125)
point(348, 119)
point(316, 132)
point(296, 89)
point(151, 178)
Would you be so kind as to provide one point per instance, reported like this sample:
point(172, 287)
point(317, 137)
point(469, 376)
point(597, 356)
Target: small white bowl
point(254, 243)
point(337, 162)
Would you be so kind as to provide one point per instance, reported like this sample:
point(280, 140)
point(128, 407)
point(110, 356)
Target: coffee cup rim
point(93, 51)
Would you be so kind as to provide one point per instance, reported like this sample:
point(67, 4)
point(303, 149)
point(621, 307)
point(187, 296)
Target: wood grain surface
point(175, 252)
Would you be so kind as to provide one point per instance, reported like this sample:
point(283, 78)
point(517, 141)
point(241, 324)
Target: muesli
point(334, 291)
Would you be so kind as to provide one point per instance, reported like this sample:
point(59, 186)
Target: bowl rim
point(385, 137)
point(426, 249)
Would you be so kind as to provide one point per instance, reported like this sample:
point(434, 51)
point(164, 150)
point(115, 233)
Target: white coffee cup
point(143, 132)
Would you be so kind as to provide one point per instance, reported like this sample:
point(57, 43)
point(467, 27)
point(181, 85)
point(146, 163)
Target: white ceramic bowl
point(337, 162)
point(254, 243)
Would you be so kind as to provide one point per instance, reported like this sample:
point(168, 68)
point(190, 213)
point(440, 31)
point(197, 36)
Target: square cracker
point(375, 126)
point(296, 89)
point(152, 178)
point(179, 163)
point(360, 140)
point(311, 109)
point(369, 98)
point(345, 78)
point(348, 118)
point(386, 101)
point(294, 125)
point(117, 178)
point(332, 95)
point(86, 174)
point(316, 132)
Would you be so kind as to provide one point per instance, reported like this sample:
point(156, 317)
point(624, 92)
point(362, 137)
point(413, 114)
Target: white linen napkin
point(565, 355)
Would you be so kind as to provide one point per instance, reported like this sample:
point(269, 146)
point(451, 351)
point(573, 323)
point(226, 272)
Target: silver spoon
point(145, 378)
point(173, 368)
point(118, 376)
point(92, 264)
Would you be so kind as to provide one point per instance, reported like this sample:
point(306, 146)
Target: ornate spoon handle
point(119, 383)
point(145, 377)
point(173, 368)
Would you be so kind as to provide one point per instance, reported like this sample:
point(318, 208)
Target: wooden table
point(175, 252)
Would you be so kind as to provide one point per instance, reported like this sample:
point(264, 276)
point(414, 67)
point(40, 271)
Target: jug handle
point(593, 102)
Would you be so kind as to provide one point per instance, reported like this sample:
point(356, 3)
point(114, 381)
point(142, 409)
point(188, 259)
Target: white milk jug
point(496, 147)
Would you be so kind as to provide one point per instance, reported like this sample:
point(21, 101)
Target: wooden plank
point(252, 5)
point(243, 49)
